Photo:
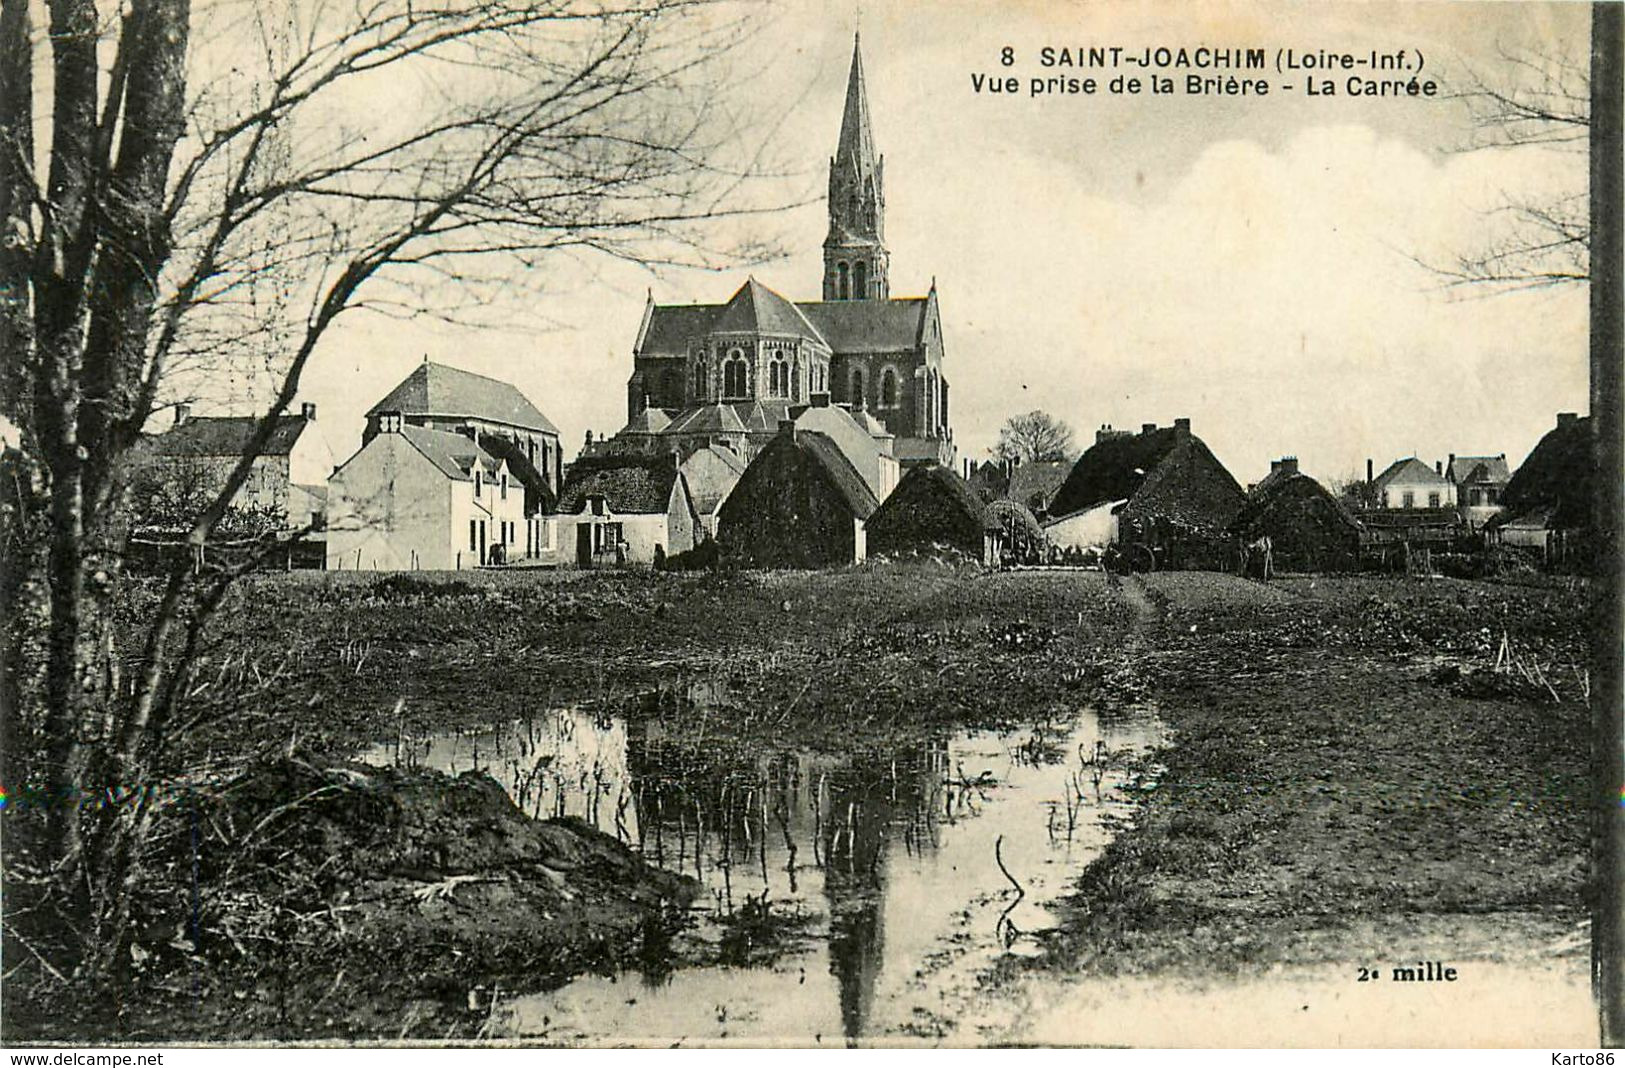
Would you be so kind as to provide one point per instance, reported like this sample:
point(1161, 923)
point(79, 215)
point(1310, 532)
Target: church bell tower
point(855, 259)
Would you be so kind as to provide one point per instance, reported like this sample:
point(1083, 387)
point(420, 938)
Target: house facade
point(624, 510)
point(1411, 484)
point(1479, 482)
point(286, 487)
point(418, 499)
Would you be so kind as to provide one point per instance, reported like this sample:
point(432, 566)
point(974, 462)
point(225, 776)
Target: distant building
point(189, 464)
point(619, 510)
point(933, 509)
point(412, 498)
point(1411, 484)
point(495, 414)
point(1034, 485)
point(1177, 498)
point(711, 474)
point(1308, 528)
point(1480, 482)
point(800, 503)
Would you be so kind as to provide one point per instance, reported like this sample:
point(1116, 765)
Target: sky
point(1248, 263)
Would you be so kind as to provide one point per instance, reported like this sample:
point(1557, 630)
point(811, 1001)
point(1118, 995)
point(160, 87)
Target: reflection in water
point(804, 857)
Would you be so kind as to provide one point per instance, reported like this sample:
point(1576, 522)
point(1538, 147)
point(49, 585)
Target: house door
point(482, 541)
point(584, 545)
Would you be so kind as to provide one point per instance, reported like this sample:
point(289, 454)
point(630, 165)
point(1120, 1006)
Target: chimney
point(1275, 466)
point(787, 428)
point(1567, 418)
point(1148, 428)
point(1369, 476)
point(1289, 465)
point(1450, 464)
point(1438, 467)
point(589, 439)
point(1182, 428)
point(819, 399)
point(183, 412)
point(308, 411)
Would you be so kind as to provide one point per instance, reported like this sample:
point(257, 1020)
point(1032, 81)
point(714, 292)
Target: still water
point(848, 898)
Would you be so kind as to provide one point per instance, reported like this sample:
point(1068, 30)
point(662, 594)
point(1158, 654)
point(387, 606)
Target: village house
point(412, 498)
point(1176, 499)
point(618, 510)
point(1411, 504)
point(187, 465)
point(1308, 529)
point(1548, 499)
point(495, 414)
point(1479, 483)
point(933, 509)
point(1091, 528)
point(1411, 484)
point(711, 473)
point(800, 503)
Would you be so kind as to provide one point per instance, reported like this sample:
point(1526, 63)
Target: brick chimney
point(819, 399)
point(1182, 428)
point(787, 428)
point(1567, 418)
point(1438, 467)
point(1148, 428)
point(308, 411)
point(1289, 465)
point(1370, 476)
point(183, 412)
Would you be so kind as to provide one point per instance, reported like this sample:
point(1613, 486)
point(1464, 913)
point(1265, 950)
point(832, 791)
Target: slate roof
point(858, 326)
point(842, 475)
point(845, 326)
point(227, 435)
point(435, 389)
point(1478, 469)
point(712, 474)
point(453, 454)
point(707, 419)
point(756, 309)
point(648, 421)
point(1409, 469)
point(856, 443)
point(630, 485)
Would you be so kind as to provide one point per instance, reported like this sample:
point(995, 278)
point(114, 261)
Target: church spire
point(855, 259)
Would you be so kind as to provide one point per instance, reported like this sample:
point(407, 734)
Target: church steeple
point(855, 258)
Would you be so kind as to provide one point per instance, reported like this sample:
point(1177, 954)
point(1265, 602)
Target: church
point(728, 374)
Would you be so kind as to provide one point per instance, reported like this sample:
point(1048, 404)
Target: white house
point(1092, 528)
point(1410, 483)
point(711, 473)
point(621, 509)
point(414, 498)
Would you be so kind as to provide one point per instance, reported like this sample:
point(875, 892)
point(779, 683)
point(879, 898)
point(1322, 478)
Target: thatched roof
point(630, 485)
point(1558, 472)
point(1010, 515)
point(1289, 501)
point(931, 505)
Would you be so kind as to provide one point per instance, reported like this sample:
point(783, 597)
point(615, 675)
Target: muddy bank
point(1334, 792)
point(299, 901)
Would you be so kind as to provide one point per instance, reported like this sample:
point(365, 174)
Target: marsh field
point(900, 803)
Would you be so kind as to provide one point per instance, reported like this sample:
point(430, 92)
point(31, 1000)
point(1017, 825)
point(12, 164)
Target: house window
point(1407, 499)
point(1489, 495)
point(473, 536)
point(477, 483)
point(504, 485)
point(735, 375)
point(888, 388)
point(1433, 500)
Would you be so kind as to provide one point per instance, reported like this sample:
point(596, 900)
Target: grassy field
point(1348, 755)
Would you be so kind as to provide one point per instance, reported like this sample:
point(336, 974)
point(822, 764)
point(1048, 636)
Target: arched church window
point(778, 377)
point(888, 388)
point(857, 388)
point(735, 375)
point(699, 378)
point(842, 282)
point(860, 280)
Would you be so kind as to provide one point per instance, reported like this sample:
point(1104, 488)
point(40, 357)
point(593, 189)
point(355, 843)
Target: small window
point(1407, 499)
point(1433, 500)
point(473, 535)
point(477, 483)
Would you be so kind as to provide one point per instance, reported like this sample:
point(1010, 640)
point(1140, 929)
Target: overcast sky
point(1249, 263)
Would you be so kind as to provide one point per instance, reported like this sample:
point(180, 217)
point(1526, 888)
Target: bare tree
point(214, 186)
point(1535, 100)
point(1035, 437)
